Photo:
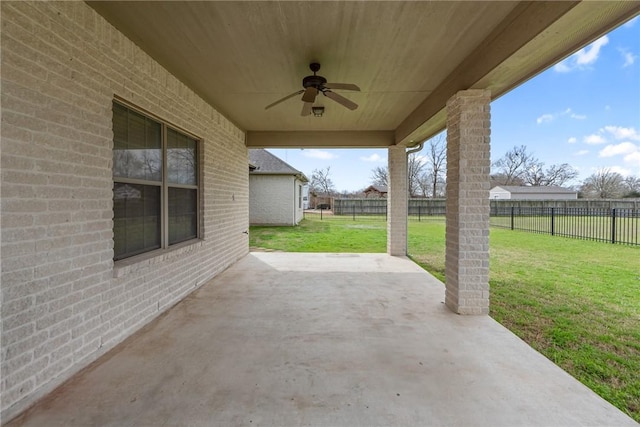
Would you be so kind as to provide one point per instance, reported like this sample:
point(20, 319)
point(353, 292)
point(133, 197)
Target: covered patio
point(276, 339)
point(283, 339)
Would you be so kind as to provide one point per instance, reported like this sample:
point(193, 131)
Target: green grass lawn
point(575, 301)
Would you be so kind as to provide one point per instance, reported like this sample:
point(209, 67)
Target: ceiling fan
point(317, 84)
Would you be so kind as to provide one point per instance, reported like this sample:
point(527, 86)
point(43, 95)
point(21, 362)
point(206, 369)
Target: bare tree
point(604, 184)
point(534, 174)
point(415, 169)
point(560, 175)
point(631, 186)
point(501, 179)
point(436, 158)
point(321, 181)
point(380, 176)
point(518, 167)
point(557, 175)
point(511, 168)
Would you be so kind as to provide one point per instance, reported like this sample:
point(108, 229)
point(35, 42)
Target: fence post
point(513, 209)
point(419, 212)
point(320, 214)
point(613, 225)
point(553, 225)
point(354, 211)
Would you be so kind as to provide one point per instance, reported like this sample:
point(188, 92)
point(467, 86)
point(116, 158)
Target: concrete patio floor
point(283, 339)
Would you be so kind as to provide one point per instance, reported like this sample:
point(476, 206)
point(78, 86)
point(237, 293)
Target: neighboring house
point(276, 190)
point(511, 192)
point(375, 191)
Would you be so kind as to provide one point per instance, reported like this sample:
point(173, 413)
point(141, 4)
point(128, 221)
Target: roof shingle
point(267, 163)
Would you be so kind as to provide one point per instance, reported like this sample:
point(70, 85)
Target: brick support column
point(397, 202)
point(468, 168)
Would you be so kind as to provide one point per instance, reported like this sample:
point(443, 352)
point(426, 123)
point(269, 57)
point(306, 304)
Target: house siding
point(543, 196)
point(499, 194)
point(64, 301)
point(274, 200)
point(531, 193)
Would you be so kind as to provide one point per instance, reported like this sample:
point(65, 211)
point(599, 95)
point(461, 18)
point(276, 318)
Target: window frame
point(164, 185)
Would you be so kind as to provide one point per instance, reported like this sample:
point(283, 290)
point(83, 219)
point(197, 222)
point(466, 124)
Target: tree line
point(520, 167)
point(426, 172)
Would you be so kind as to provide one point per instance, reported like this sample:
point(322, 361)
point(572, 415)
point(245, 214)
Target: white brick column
point(397, 202)
point(468, 168)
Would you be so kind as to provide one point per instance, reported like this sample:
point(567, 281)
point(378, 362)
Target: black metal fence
point(613, 225)
point(619, 225)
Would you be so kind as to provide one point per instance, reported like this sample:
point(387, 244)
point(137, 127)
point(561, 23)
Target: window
point(155, 184)
point(300, 196)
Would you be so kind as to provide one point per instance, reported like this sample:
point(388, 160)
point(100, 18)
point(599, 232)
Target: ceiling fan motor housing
point(313, 81)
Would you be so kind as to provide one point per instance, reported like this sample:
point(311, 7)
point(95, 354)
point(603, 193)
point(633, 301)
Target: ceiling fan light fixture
point(314, 85)
point(317, 111)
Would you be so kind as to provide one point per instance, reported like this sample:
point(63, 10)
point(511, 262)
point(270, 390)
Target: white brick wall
point(467, 235)
point(64, 302)
point(273, 200)
point(398, 203)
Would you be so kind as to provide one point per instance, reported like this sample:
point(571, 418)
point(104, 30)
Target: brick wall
point(397, 208)
point(272, 199)
point(64, 302)
point(467, 233)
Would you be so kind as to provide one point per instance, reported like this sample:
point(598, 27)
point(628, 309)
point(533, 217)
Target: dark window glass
point(183, 217)
point(181, 159)
point(136, 219)
point(141, 146)
point(137, 146)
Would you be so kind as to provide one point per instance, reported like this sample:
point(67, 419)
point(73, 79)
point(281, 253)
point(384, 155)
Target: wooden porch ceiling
point(408, 57)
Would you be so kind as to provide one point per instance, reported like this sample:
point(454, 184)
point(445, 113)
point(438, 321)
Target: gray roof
point(378, 188)
point(534, 189)
point(267, 163)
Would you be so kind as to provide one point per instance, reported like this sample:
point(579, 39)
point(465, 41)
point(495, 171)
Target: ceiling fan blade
point(310, 94)
point(342, 86)
point(284, 99)
point(341, 100)
point(306, 109)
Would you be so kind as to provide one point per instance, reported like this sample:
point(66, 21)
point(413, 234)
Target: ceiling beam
point(319, 139)
point(524, 23)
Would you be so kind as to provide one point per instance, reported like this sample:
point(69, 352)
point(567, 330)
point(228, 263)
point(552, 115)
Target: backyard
point(575, 301)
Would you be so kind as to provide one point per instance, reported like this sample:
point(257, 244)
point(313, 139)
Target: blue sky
point(584, 111)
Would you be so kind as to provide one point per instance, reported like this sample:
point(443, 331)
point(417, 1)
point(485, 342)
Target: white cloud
point(628, 57)
point(619, 169)
point(620, 132)
point(319, 154)
point(584, 57)
point(548, 117)
point(633, 159)
point(618, 149)
point(627, 149)
point(561, 67)
point(545, 118)
point(589, 55)
point(594, 139)
point(572, 140)
point(374, 158)
point(581, 153)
